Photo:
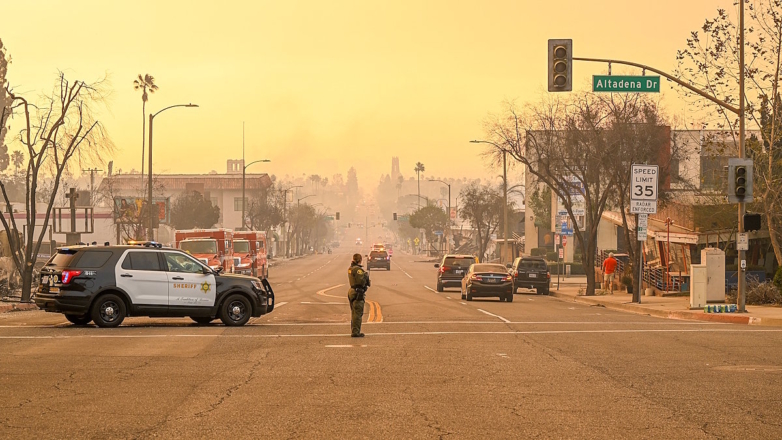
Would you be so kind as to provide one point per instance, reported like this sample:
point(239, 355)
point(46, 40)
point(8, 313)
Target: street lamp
point(149, 195)
point(504, 191)
point(302, 198)
point(244, 169)
point(449, 209)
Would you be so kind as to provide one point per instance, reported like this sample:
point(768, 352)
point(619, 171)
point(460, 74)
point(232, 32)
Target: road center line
point(278, 305)
point(400, 268)
point(430, 289)
point(496, 316)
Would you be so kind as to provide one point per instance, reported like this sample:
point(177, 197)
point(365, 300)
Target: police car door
point(139, 274)
point(188, 285)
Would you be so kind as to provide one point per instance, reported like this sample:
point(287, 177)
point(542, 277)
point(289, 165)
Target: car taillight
point(476, 278)
point(507, 278)
point(443, 269)
point(68, 275)
point(548, 275)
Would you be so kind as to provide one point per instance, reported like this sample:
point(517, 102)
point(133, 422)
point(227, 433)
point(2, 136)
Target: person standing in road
point(609, 270)
point(359, 281)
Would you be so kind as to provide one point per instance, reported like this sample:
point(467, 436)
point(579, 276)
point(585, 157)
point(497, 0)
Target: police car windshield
point(199, 246)
point(242, 246)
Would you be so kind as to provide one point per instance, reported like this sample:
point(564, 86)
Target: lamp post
point(448, 242)
point(244, 169)
point(149, 182)
point(504, 193)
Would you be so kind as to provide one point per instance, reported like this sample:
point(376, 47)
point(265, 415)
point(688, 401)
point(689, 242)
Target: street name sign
point(643, 189)
point(625, 84)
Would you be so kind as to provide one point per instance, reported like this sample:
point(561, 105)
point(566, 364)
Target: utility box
point(698, 283)
point(714, 260)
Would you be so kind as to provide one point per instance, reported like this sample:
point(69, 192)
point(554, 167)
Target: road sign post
point(644, 181)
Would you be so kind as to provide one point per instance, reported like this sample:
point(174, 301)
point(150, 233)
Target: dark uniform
point(359, 281)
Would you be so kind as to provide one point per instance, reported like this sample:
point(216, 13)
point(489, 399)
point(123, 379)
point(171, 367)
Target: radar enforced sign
point(643, 189)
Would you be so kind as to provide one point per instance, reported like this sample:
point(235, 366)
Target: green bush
point(778, 278)
point(538, 252)
point(552, 256)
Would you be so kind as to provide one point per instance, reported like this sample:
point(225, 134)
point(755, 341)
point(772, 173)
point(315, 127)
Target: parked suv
point(531, 273)
point(105, 284)
point(379, 259)
point(452, 269)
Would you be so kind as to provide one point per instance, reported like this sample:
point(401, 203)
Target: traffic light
point(751, 222)
point(337, 215)
point(394, 216)
point(560, 65)
point(740, 180)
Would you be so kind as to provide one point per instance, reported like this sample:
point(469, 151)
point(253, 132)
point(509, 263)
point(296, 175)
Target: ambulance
point(249, 251)
point(213, 247)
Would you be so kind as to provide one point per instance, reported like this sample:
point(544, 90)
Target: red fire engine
point(213, 247)
point(250, 253)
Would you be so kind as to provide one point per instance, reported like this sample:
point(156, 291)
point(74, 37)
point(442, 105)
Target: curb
point(13, 307)
point(728, 318)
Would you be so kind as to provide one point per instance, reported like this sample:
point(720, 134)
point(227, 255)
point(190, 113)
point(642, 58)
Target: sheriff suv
point(379, 259)
point(105, 284)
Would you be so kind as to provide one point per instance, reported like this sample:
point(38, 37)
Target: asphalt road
point(430, 366)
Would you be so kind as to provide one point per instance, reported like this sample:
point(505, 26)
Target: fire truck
point(213, 247)
point(250, 253)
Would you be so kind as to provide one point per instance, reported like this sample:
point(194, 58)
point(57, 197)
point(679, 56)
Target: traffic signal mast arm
point(670, 77)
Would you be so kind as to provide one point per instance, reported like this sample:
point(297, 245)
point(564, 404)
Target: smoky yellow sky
point(326, 85)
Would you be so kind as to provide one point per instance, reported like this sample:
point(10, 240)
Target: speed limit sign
point(643, 189)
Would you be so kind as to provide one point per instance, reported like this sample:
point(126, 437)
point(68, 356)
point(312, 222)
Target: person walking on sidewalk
point(359, 281)
point(609, 270)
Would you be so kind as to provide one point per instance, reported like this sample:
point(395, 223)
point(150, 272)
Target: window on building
point(238, 203)
point(713, 172)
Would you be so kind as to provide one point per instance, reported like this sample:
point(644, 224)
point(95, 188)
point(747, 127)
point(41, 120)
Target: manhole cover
point(758, 368)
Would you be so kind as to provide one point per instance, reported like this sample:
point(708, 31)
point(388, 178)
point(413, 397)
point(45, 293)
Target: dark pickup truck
point(530, 273)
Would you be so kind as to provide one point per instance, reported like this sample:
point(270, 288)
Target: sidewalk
point(663, 307)
point(11, 306)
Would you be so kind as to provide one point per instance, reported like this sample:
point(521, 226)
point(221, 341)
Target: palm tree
point(18, 159)
point(419, 168)
point(146, 84)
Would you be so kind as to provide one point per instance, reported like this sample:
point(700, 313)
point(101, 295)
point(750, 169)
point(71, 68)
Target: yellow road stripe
point(375, 312)
point(371, 311)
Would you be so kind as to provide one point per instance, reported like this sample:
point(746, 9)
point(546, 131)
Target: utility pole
point(504, 205)
point(742, 274)
point(92, 172)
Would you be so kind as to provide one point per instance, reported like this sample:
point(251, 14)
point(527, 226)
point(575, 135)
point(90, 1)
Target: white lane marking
point(463, 303)
point(430, 289)
point(400, 268)
point(324, 303)
point(496, 316)
point(343, 346)
point(447, 297)
point(343, 335)
point(322, 292)
point(503, 355)
point(278, 305)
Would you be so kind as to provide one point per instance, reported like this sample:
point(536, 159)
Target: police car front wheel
point(108, 311)
point(236, 310)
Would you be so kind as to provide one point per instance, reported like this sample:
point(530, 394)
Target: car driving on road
point(530, 273)
point(379, 259)
point(487, 280)
point(105, 284)
point(452, 269)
